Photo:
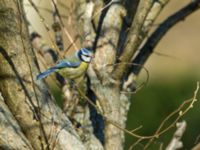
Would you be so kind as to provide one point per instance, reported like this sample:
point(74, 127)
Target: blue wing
point(45, 73)
point(60, 65)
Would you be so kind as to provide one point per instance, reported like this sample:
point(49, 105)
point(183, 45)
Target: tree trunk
point(41, 121)
point(116, 32)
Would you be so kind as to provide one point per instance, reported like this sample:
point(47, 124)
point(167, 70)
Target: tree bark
point(11, 135)
point(114, 30)
point(41, 120)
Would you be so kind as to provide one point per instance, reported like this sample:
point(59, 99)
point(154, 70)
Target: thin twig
point(178, 111)
point(46, 27)
point(57, 29)
point(46, 9)
point(106, 6)
point(166, 55)
point(63, 26)
point(38, 111)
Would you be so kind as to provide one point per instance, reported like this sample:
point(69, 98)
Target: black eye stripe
point(86, 55)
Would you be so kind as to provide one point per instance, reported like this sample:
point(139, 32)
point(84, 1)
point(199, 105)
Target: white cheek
point(86, 59)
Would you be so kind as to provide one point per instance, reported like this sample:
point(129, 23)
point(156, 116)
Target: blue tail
point(46, 73)
point(60, 65)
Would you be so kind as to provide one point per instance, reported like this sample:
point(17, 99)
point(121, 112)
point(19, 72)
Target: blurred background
point(173, 72)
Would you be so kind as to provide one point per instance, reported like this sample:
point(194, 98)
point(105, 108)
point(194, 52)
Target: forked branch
point(159, 33)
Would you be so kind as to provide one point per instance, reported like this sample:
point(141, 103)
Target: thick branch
point(133, 39)
point(107, 94)
point(152, 15)
point(88, 29)
point(11, 136)
point(196, 147)
point(40, 119)
point(131, 7)
point(78, 112)
point(107, 42)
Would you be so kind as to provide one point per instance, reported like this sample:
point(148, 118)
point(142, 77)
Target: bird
point(69, 69)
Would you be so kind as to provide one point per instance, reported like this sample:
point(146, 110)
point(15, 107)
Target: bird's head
point(85, 55)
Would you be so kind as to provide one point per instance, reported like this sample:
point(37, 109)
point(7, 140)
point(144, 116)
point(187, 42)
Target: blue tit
point(69, 69)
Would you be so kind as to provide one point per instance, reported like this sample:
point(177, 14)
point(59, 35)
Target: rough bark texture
point(11, 135)
point(107, 79)
point(41, 120)
point(114, 30)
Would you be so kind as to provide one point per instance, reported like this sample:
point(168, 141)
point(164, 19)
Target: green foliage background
point(158, 99)
point(153, 103)
point(172, 79)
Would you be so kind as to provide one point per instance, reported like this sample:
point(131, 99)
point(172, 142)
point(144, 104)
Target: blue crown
point(83, 51)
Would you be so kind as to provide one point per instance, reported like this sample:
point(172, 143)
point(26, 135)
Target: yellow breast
point(73, 73)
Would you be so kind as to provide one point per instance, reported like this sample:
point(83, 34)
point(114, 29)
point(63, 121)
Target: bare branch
point(159, 33)
point(71, 107)
point(131, 7)
point(196, 147)
point(88, 29)
point(153, 14)
point(63, 26)
point(11, 135)
point(48, 10)
point(155, 10)
point(27, 99)
point(180, 111)
point(176, 142)
point(133, 39)
point(107, 43)
point(46, 27)
point(56, 26)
